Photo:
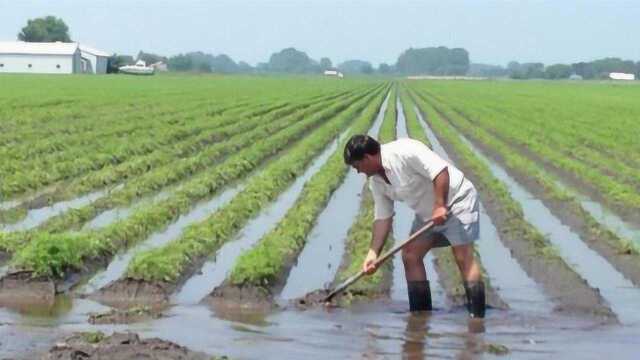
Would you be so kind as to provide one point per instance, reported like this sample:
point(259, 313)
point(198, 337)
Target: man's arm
point(441, 194)
point(380, 232)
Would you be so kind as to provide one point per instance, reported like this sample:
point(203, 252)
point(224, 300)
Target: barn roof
point(35, 48)
point(93, 51)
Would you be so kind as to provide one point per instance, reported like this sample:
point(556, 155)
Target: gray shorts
point(461, 228)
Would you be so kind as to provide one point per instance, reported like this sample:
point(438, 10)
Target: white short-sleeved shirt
point(411, 167)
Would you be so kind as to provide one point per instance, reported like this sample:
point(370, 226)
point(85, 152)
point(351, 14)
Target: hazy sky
point(375, 30)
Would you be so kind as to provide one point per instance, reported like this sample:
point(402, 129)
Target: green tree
point(46, 29)
point(384, 68)
point(223, 64)
point(244, 67)
point(180, 63)
point(356, 67)
point(584, 69)
point(290, 60)
point(433, 60)
point(325, 64)
point(558, 71)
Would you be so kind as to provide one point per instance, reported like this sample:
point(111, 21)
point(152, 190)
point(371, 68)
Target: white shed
point(94, 61)
point(51, 58)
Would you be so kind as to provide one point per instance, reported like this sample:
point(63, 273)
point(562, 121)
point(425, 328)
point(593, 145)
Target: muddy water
point(214, 271)
point(319, 260)
point(36, 217)
point(513, 284)
point(118, 266)
point(374, 330)
point(619, 292)
point(401, 230)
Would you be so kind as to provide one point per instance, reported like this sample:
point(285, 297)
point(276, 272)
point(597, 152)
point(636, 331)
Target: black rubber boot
point(475, 298)
point(419, 296)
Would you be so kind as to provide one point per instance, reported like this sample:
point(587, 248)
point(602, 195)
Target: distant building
point(333, 73)
point(575, 77)
point(159, 66)
point(51, 58)
point(94, 61)
point(621, 76)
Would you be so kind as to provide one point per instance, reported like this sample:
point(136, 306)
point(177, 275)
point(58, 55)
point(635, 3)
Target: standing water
point(401, 229)
point(617, 290)
point(506, 275)
point(319, 260)
point(215, 270)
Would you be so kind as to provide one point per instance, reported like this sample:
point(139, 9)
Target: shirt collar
point(385, 165)
point(383, 158)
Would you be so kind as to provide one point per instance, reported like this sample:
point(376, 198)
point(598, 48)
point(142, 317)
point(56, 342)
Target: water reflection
point(415, 336)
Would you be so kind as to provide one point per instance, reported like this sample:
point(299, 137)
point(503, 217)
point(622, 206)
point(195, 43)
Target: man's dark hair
point(358, 146)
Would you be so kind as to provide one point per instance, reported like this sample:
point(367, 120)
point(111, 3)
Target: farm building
point(621, 76)
point(93, 61)
point(333, 73)
point(51, 58)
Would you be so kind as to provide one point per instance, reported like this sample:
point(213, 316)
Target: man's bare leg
point(467, 263)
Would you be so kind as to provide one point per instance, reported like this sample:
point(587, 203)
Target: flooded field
point(214, 262)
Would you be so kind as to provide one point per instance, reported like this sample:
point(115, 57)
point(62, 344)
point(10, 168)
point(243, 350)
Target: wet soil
point(127, 292)
point(314, 298)
point(570, 292)
point(241, 297)
point(126, 316)
point(120, 346)
point(22, 287)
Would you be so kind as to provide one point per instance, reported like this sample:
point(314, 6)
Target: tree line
point(596, 69)
point(413, 61)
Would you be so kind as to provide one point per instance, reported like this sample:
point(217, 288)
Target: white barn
point(51, 58)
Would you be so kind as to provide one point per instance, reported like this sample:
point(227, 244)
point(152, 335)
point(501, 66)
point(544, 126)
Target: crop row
point(238, 136)
point(71, 107)
point(172, 261)
point(32, 145)
point(599, 117)
point(595, 233)
point(127, 170)
point(21, 176)
point(532, 250)
point(359, 235)
point(575, 157)
point(561, 134)
point(57, 253)
point(268, 262)
point(446, 263)
point(523, 165)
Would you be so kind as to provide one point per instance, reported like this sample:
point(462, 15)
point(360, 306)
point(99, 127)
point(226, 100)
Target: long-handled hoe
point(378, 261)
